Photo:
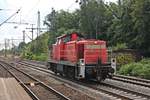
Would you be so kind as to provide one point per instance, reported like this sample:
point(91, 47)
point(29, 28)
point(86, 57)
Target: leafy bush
point(126, 69)
point(140, 69)
point(145, 61)
point(36, 49)
point(124, 59)
point(120, 46)
point(40, 57)
point(28, 55)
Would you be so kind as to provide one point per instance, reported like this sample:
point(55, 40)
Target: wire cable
point(10, 17)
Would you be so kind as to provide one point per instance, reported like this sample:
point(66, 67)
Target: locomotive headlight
point(81, 61)
point(95, 42)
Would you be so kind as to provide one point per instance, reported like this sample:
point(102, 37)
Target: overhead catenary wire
point(5, 9)
point(10, 17)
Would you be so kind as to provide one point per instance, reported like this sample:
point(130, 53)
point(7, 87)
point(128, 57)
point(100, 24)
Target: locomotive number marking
point(95, 46)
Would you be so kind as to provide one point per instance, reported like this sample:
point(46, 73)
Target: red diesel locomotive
point(75, 57)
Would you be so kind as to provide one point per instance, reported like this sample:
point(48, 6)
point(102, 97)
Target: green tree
point(121, 28)
point(50, 21)
point(60, 22)
point(141, 30)
point(94, 18)
point(125, 22)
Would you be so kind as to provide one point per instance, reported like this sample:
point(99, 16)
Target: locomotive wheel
point(55, 68)
point(70, 72)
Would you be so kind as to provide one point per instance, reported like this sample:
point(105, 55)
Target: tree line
point(126, 22)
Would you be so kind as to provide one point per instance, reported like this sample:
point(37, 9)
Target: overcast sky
point(28, 14)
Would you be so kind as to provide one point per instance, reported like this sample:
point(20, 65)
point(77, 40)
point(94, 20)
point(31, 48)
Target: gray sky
point(28, 14)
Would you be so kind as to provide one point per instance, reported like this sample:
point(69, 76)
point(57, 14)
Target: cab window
point(66, 39)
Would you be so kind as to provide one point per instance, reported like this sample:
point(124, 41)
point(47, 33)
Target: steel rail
point(103, 90)
point(28, 90)
point(116, 75)
point(133, 78)
point(40, 82)
point(136, 82)
point(128, 90)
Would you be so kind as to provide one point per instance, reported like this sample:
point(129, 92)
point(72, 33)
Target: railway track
point(119, 92)
point(127, 79)
point(133, 80)
point(37, 89)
